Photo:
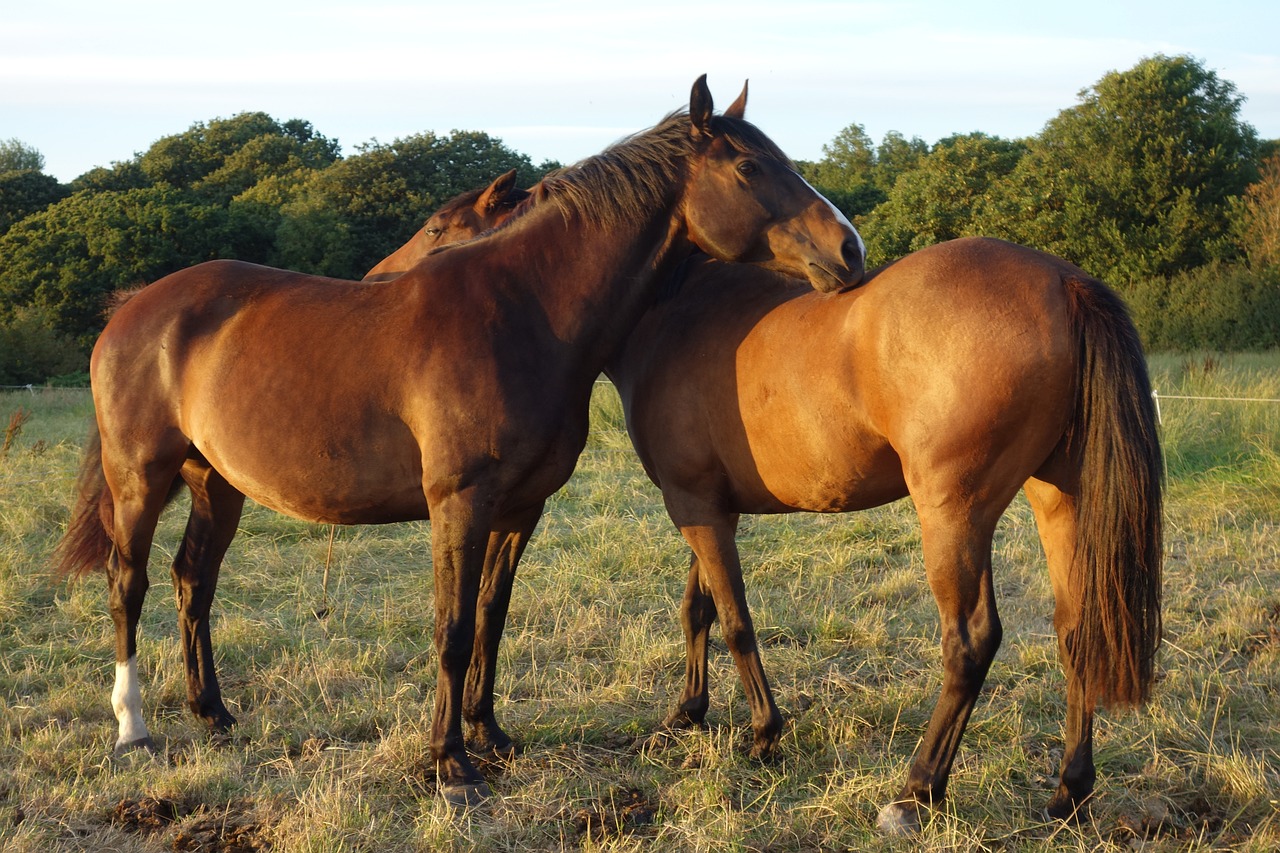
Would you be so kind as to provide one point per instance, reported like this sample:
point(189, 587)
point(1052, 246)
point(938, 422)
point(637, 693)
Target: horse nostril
point(851, 250)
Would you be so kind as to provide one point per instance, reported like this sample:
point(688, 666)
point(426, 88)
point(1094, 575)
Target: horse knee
point(454, 643)
point(967, 653)
point(738, 636)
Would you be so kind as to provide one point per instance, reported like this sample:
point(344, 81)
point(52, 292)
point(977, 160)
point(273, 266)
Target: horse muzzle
point(829, 277)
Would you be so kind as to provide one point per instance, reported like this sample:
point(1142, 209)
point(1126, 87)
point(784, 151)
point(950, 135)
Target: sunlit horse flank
point(459, 391)
point(953, 376)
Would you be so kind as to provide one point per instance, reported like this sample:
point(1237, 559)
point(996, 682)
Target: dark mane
point(630, 178)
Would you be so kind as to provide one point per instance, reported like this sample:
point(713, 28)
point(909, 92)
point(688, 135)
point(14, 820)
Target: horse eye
point(432, 231)
point(747, 168)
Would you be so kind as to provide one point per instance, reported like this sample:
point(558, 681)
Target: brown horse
point(458, 392)
point(955, 376)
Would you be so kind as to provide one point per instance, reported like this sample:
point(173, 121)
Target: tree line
point(1150, 182)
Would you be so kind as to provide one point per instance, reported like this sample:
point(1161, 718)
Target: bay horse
point(458, 392)
point(954, 376)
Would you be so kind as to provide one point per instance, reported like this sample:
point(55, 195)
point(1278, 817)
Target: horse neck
point(593, 281)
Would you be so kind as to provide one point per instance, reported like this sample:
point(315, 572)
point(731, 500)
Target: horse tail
point(1116, 573)
point(87, 544)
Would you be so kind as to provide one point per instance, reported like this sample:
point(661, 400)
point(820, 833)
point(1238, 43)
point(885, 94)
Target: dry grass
point(334, 713)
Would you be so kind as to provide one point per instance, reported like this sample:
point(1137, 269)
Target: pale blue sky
point(89, 83)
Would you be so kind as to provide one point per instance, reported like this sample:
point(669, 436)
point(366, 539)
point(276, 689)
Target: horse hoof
point(764, 750)
point(500, 752)
point(143, 744)
point(219, 723)
point(901, 818)
point(1067, 810)
point(680, 719)
point(466, 796)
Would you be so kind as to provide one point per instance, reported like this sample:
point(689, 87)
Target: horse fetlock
point(126, 702)
point(488, 739)
point(215, 716)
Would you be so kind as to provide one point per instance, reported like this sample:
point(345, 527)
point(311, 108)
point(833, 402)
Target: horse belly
point(805, 460)
point(316, 471)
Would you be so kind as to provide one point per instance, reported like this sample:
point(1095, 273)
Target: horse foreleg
point(697, 614)
point(459, 534)
point(958, 565)
point(1055, 513)
point(720, 572)
point(215, 513)
point(501, 559)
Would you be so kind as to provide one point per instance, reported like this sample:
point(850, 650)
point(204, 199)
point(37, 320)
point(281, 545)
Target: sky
point(92, 83)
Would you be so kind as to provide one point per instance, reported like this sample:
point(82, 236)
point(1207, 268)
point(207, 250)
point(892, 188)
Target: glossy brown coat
point(458, 391)
point(955, 377)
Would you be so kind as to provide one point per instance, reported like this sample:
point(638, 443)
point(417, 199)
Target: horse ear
point(495, 192)
point(738, 109)
point(700, 108)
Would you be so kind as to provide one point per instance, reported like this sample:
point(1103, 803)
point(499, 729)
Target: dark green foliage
point(344, 219)
point(941, 196)
point(31, 352)
point(1219, 306)
point(1151, 182)
point(63, 262)
point(24, 192)
point(1135, 181)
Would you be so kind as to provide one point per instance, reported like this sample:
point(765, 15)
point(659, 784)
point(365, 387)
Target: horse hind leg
point(215, 512)
point(697, 615)
point(1055, 513)
point(136, 509)
point(719, 571)
point(957, 553)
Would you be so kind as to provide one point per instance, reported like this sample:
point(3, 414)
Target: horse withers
point(458, 392)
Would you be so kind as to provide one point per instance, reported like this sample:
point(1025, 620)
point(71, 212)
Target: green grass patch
point(331, 750)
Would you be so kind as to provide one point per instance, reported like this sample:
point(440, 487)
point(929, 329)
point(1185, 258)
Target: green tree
point(1256, 217)
point(17, 156)
point(227, 156)
point(63, 262)
point(24, 192)
point(1137, 179)
point(895, 155)
point(127, 175)
point(31, 352)
point(941, 197)
point(344, 219)
point(846, 172)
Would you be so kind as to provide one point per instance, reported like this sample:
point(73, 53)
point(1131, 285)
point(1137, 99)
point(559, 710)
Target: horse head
point(745, 202)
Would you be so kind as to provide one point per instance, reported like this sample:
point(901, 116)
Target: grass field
point(334, 712)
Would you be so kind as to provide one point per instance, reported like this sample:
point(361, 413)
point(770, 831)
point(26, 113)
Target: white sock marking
point(126, 701)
